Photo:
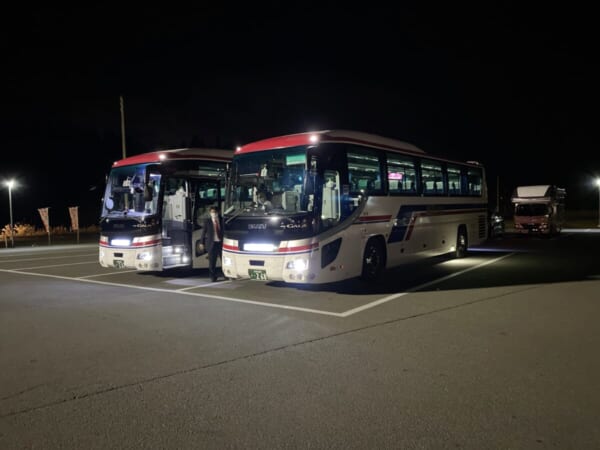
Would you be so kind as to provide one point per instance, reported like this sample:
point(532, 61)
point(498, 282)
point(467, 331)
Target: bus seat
point(289, 201)
point(277, 199)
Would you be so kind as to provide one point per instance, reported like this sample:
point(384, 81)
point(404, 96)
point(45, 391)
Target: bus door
point(176, 222)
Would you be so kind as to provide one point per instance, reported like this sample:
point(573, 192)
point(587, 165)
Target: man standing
point(212, 239)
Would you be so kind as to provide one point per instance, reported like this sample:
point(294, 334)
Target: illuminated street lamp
point(10, 184)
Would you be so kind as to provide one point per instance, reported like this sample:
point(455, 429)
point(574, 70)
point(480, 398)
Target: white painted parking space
point(196, 287)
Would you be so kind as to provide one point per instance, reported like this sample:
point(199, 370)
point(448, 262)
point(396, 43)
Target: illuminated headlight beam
point(144, 256)
point(297, 264)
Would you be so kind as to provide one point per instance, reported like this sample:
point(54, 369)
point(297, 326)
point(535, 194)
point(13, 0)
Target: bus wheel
point(461, 243)
point(373, 260)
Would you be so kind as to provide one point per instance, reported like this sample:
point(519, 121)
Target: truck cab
point(539, 209)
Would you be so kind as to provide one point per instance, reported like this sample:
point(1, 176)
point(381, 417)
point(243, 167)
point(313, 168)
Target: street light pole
point(122, 126)
point(10, 184)
point(598, 183)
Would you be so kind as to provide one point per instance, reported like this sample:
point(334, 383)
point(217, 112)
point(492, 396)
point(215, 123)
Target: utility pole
point(122, 126)
point(598, 183)
point(10, 185)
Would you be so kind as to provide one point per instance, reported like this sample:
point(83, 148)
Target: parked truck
point(539, 209)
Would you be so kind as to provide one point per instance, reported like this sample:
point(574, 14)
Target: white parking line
point(381, 301)
point(460, 272)
point(171, 291)
point(208, 283)
point(45, 258)
point(57, 265)
point(107, 273)
point(184, 291)
point(418, 288)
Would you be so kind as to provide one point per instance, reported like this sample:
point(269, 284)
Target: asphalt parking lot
point(496, 350)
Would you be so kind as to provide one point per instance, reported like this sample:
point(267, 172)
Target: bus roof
point(211, 154)
point(314, 137)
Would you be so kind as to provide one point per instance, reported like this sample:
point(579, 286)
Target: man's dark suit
point(212, 247)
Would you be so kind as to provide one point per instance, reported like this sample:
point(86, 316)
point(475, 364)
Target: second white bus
point(154, 205)
point(326, 206)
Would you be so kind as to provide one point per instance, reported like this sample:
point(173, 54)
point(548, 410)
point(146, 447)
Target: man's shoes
point(213, 279)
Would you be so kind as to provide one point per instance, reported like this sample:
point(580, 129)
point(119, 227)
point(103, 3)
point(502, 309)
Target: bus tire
point(373, 260)
point(462, 242)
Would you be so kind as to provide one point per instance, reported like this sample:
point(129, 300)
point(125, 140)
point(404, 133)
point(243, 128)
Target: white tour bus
point(154, 205)
point(330, 205)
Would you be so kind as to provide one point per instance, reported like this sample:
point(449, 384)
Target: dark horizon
point(510, 88)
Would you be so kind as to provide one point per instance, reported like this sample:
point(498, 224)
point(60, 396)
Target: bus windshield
point(532, 209)
point(269, 181)
point(131, 191)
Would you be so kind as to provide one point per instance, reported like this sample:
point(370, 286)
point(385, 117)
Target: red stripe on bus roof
point(308, 138)
point(292, 140)
point(155, 157)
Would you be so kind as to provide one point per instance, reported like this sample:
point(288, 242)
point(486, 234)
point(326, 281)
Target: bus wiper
point(237, 213)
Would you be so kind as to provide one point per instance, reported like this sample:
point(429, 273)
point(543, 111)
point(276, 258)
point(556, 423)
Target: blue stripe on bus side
point(407, 213)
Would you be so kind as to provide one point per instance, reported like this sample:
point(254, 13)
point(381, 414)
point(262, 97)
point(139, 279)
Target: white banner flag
point(45, 218)
point(73, 212)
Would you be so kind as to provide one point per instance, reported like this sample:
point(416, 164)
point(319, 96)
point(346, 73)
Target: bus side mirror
point(313, 166)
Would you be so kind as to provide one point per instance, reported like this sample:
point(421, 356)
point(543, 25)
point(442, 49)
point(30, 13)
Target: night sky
point(513, 87)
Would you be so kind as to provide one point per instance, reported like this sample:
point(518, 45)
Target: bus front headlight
point(144, 256)
point(297, 264)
